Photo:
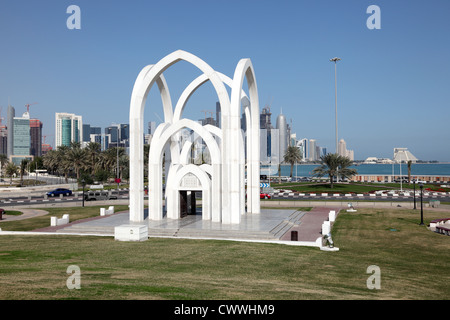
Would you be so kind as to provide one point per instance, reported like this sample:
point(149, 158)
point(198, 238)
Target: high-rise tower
point(68, 128)
point(36, 137)
point(283, 132)
point(10, 129)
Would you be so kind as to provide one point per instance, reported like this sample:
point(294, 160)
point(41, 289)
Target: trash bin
point(294, 235)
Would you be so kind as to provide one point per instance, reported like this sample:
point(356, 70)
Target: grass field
point(337, 188)
point(355, 187)
point(413, 263)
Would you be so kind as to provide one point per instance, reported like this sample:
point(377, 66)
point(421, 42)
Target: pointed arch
point(144, 82)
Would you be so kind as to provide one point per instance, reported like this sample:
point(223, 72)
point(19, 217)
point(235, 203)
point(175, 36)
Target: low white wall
point(54, 221)
point(105, 212)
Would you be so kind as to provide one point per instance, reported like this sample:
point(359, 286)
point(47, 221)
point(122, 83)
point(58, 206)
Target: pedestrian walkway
point(26, 214)
point(309, 227)
point(271, 225)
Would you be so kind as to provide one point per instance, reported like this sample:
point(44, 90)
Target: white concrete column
point(206, 203)
point(249, 163)
point(216, 193)
point(241, 173)
point(225, 181)
point(234, 182)
point(136, 175)
point(255, 168)
point(155, 192)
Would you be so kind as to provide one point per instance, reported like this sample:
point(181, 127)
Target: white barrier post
point(332, 216)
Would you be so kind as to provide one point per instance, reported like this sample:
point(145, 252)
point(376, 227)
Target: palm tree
point(292, 156)
point(63, 165)
point(23, 166)
point(50, 161)
point(332, 165)
point(122, 158)
point(123, 164)
point(93, 150)
point(409, 171)
point(11, 170)
point(344, 167)
point(3, 161)
point(77, 159)
point(108, 160)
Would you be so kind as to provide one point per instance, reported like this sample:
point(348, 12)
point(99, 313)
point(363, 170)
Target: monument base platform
point(131, 232)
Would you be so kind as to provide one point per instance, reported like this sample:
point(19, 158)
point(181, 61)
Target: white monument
point(222, 180)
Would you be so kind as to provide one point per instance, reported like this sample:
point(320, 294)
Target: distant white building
point(312, 150)
point(374, 160)
point(343, 151)
point(303, 145)
point(403, 155)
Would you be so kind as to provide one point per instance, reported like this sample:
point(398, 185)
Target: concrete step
point(224, 234)
point(284, 226)
point(88, 229)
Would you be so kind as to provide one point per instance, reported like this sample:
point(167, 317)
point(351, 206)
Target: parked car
point(264, 196)
point(99, 195)
point(57, 192)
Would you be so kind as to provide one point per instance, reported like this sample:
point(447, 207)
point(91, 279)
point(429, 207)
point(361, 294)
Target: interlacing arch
point(222, 182)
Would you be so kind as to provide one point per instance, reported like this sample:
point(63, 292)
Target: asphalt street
point(123, 194)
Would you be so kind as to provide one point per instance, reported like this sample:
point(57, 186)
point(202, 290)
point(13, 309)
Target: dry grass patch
point(411, 259)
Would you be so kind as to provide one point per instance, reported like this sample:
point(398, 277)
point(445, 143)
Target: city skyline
point(391, 82)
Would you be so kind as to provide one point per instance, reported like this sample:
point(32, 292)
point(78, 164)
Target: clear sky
point(393, 82)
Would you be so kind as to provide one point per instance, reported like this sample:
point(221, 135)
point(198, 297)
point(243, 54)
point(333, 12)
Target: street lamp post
point(335, 60)
point(414, 184)
point(421, 204)
point(401, 177)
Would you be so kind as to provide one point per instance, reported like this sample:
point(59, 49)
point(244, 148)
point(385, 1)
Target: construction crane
point(45, 136)
point(209, 120)
point(28, 106)
point(208, 111)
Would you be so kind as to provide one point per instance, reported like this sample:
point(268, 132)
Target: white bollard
point(332, 216)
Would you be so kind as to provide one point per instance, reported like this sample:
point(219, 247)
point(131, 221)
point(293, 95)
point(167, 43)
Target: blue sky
point(393, 83)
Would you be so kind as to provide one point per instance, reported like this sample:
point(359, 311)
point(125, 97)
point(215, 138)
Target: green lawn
point(413, 263)
point(355, 187)
point(326, 188)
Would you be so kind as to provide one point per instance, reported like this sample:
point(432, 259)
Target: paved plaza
point(268, 226)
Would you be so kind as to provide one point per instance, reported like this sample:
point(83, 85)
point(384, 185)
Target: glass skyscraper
point(69, 128)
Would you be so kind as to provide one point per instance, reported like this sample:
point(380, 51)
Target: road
point(39, 200)
point(123, 194)
point(442, 197)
